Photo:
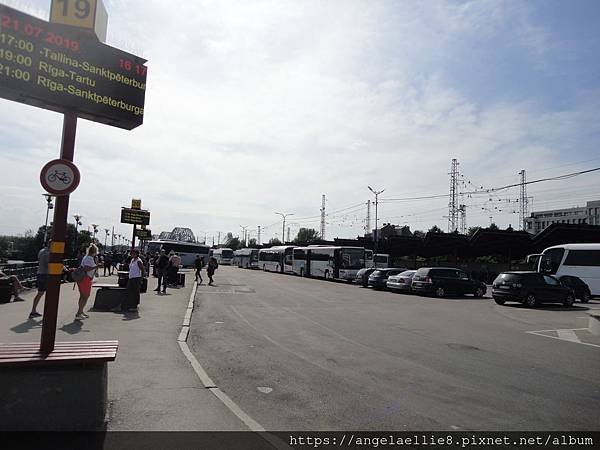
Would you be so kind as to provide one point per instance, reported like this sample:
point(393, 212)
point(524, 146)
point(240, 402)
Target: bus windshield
point(226, 253)
point(352, 258)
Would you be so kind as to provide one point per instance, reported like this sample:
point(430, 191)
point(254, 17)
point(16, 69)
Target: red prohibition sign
point(60, 177)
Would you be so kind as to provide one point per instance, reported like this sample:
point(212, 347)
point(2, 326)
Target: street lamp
point(107, 231)
point(95, 227)
point(245, 236)
point(376, 234)
point(77, 223)
point(283, 229)
point(49, 206)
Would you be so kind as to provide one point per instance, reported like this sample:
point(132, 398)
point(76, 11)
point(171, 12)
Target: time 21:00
point(19, 74)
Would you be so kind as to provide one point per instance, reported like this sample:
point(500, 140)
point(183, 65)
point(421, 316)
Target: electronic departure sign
point(66, 69)
point(135, 216)
point(144, 235)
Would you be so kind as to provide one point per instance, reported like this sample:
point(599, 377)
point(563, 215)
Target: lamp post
point(244, 228)
point(107, 231)
point(283, 228)
point(49, 206)
point(95, 227)
point(376, 234)
point(77, 218)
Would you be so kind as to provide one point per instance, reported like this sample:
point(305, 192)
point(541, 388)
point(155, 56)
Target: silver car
point(401, 282)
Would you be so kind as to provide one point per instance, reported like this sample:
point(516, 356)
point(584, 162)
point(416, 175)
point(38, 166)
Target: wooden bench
point(64, 352)
point(65, 390)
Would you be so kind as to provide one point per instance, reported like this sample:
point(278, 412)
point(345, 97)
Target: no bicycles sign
point(59, 177)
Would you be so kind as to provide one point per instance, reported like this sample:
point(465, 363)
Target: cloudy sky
point(257, 106)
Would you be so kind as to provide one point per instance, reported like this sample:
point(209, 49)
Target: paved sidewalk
point(151, 385)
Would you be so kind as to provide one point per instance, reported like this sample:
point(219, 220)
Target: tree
point(274, 241)
point(252, 242)
point(232, 242)
point(306, 236)
point(493, 227)
point(435, 229)
point(419, 233)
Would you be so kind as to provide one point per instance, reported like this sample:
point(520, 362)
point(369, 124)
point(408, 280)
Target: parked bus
point(328, 261)
point(579, 260)
point(381, 260)
point(246, 258)
point(186, 250)
point(276, 259)
point(223, 256)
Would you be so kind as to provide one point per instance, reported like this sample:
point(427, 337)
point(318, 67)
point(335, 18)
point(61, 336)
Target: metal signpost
point(63, 66)
point(136, 216)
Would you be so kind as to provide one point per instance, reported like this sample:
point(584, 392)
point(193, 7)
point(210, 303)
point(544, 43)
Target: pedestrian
point(162, 265)
point(16, 285)
point(198, 264)
point(90, 266)
point(108, 264)
point(174, 263)
point(42, 279)
point(210, 269)
point(136, 273)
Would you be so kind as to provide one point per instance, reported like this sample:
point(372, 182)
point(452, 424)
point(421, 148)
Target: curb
point(204, 378)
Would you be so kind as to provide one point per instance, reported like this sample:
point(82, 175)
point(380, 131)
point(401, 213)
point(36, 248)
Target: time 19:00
point(15, 57)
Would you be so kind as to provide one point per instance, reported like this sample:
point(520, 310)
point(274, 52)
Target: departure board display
point(66, 69)
point(135, 216)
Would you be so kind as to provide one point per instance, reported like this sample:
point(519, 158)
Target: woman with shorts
point(85, 285)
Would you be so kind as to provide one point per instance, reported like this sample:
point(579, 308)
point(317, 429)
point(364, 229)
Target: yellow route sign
point(77, 13)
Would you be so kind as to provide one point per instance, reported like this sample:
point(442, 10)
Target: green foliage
point(472, 230)
point(252, 243)
point(274, 241)
point(232, 242)
point(435, 229)
point(493, 227)
point(306, 236)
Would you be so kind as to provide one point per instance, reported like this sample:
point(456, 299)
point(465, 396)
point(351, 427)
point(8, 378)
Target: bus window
point(551, 260)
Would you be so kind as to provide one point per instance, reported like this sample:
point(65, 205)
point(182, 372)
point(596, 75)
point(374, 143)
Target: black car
point(581, 291)
point(442, 281)
point(531, 289)
point(378, 279)
point(362, 276)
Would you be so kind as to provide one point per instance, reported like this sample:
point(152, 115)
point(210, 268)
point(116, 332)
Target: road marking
point(568, 335)
point(558, 336)
point(206, 381)
point(264, 389)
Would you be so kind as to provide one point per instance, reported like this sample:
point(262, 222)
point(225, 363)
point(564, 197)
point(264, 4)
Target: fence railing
point(26, 272)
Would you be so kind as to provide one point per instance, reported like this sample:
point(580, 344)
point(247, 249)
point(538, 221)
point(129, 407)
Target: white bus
point(246, 258)
point(186, 250)
point(276, 259)
point(578, 260)
point(223, 255)
point(328, 262)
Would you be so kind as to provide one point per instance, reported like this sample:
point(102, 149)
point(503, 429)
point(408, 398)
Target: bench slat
point(28, 353)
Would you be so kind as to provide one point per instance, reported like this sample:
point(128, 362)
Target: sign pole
point(133, 238)
point(57, 248)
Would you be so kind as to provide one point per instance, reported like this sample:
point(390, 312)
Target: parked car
point(401, 282)
point(362, 276)
point(378, 279)
point(531, 289)
point(581, 291)
point(442, 281)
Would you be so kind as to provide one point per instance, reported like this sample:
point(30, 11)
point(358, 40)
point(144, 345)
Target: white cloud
point(261, 106)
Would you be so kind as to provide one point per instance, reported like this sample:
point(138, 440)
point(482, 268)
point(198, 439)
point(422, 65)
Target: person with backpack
point(87, 268)
point(210, 269)
point(198, 264)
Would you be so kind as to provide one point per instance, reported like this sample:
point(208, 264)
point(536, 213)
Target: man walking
point(162, 264)
point(42, 279)
point(210, 269)
point(198, 264)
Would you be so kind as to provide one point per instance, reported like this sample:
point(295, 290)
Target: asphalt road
point(306, 354)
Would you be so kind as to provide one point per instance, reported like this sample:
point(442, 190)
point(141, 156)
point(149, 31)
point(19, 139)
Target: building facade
point(539, 220)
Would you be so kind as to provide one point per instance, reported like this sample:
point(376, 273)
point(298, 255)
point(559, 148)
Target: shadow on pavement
point(74, 327)
point(26, 326)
